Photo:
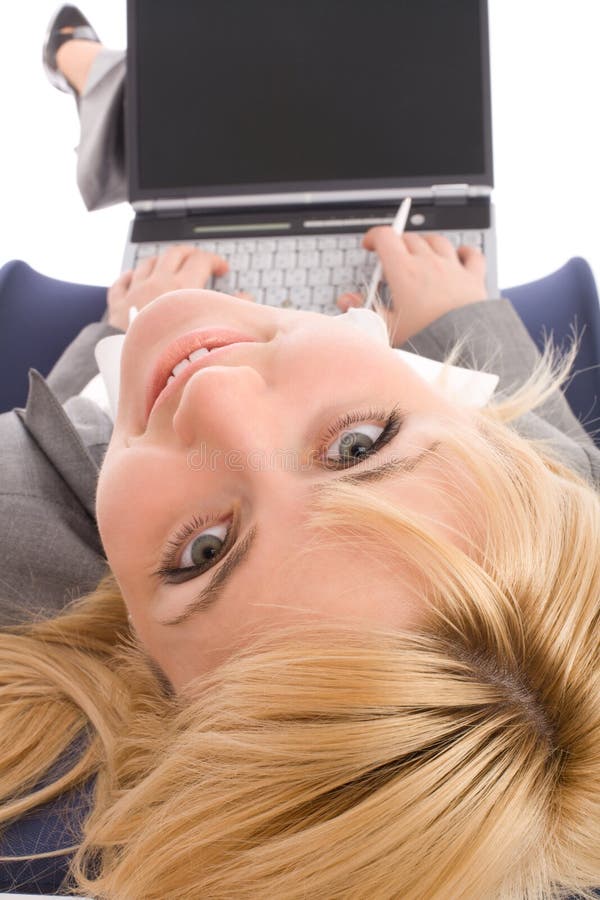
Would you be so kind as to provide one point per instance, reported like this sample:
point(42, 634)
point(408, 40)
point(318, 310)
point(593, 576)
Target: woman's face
point(215, 483)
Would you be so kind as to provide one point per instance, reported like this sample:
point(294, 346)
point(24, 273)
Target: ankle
point(74, 59)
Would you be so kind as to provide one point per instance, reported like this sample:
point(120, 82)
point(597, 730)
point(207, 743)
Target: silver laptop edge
point(436, 191)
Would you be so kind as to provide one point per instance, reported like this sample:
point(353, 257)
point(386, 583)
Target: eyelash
point(169, 571)
point(393, 422)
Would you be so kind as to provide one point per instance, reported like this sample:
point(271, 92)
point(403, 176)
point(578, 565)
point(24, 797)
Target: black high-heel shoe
point(66, 17)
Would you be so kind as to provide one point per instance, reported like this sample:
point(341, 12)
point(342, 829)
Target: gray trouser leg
point(101, 175)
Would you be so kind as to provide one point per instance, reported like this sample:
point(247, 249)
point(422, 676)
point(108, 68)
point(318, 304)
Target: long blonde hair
point(458, 759)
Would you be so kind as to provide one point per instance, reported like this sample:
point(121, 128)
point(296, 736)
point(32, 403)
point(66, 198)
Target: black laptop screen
point(232, 96)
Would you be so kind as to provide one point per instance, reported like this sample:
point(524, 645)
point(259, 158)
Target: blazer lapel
point(53, 431)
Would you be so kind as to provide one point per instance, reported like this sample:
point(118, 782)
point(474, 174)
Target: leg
point(101, 175)
point(74, 59)
point(98, 77)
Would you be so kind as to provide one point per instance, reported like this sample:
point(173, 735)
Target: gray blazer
point(50, 550)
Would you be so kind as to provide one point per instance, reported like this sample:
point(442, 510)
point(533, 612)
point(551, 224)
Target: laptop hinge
point(449, 193)
point(440, 194)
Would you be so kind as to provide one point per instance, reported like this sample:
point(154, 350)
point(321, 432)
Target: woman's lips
point(179, 349)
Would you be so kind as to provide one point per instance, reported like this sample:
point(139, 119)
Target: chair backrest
point(39, 317)
point(557, 304)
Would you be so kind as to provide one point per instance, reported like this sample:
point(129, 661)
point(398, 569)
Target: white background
point(545, 100)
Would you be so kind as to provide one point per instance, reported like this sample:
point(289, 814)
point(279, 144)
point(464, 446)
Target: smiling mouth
point(186, 355)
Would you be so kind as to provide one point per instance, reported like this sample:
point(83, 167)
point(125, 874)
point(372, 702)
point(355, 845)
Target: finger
point(348, 300)
point(472, 259)
point(144, 269)
point(383, 236)
point(244, 295)
point(118, 290)
point(384, 240)
point(416, 244)
point(123, 282)
point(396, 260)
point(173, 259)
point(199, 267)
point(439, 244)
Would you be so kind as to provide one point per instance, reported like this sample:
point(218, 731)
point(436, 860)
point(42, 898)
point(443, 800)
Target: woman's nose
point(223, 407)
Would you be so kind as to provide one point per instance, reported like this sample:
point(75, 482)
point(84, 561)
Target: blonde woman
point(347, 645)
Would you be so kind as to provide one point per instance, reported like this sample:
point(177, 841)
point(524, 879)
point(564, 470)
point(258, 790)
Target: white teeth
point(180, 366)
point(202, 351)
point(194, 355)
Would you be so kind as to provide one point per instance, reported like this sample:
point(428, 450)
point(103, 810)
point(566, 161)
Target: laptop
point(277, 132)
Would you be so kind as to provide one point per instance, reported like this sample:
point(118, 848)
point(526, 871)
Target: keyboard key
point(359, 279)
point(207, 246)
point(350, 287)
point(349, 241)
point(145, 250)
point(327, 242)
point(342, 274)
point(295, 277)
point(225, 248)
point(262, 261)
point(300, 296)
point(239, 261)
point(271, 278)
point(285, 260)
point(332, 258)
point(308, 259)
point(324, 293)
point(248, 280)
point(307, 243)
point(319, 276)
point(471, 239)
point(287, 243)
point(246, 246)
point(357, 257)
point(266, 245)
point(275, 295)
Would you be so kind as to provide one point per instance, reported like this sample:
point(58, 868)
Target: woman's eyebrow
point(387, 469)
point(212, 593)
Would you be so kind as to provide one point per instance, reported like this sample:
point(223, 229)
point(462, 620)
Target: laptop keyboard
point(304, 272)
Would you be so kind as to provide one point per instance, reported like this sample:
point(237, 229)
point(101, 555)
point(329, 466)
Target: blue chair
point(40, 316)
point(554, 304)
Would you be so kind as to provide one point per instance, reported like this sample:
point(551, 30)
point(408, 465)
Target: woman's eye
point(196, 548)
point(354, 445)
point(204, 548)
point(356, 437)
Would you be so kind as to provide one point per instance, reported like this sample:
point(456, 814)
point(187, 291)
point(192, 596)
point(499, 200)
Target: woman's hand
point(427, 277)
point(181, 266)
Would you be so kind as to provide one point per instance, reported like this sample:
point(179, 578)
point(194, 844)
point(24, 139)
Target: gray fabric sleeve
point(101, 166)
point(496, 340)
point(77, 365)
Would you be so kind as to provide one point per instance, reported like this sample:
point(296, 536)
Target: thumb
point(219, 265)
point(121, 285)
